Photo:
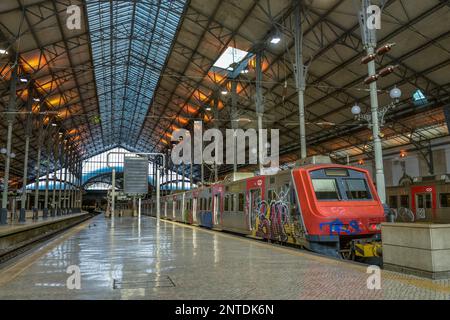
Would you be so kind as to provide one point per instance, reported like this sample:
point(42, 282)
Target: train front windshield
point(340, 184)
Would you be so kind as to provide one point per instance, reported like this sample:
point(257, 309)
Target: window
point(232, 199)
point(241, 202)
point(271, 195)
point(325, 189)
point(444, 200)
point(419, 98)
point(209, 204)
point(356, 189)
point(393, 203)
point(227, 208)
point(230, 58)
point(404, 201)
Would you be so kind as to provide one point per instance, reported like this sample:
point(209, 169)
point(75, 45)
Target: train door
point(165, 208)
point(174, 208)
point(254, 200)
point(194, 210)
point(424, 202)
point(216, 205)
point(423, 206)
point(255, 197)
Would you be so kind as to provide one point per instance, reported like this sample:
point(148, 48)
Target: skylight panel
point(230, 59)
point(419, 98)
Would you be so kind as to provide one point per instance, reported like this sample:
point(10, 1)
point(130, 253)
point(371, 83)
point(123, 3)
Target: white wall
point(415, 164)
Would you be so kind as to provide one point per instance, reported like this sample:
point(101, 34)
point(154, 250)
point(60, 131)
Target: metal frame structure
point(136, 71)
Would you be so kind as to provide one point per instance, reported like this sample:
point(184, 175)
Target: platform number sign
point(135, 175)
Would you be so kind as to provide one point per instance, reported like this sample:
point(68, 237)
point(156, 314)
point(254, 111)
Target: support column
point(10, 121)
point(182, 177)
point(377, 147)
point(301, 72)
point(234, 121)
point(158, 197)
point(80, 170)
point(73, 180)
point(370, 42)
point(216, 126)
point(36, 184)
point(113, 191)
point(47, 172)
point(259, 109)
point(191, 172)
point(55, 168)
point(66, 163)
point(28, 128)
point(60, 176)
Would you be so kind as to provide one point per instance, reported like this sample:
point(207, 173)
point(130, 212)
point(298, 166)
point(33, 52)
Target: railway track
point(24, 246)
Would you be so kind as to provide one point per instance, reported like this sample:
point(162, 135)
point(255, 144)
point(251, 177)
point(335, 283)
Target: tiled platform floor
point(128, 259)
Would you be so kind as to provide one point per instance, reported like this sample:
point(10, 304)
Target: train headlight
point(375, 226)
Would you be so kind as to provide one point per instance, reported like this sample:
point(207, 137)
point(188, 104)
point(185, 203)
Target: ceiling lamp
point(395, 93)
point(36, 99)
point(3, 51)
point(224, 92)
point(275, 39)
point(356, 110)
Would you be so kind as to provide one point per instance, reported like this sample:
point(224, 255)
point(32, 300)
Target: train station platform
point(17, 237)
point(130, 258)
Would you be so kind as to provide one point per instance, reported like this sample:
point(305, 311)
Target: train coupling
point(367, 248)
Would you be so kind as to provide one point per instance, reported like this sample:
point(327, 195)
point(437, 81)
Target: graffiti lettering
point(337, 226)
point(273, 217)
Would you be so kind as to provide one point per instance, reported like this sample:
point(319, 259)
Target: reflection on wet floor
point(128, 258)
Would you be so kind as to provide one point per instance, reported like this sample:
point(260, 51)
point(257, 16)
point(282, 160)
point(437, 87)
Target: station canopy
point(137, 70)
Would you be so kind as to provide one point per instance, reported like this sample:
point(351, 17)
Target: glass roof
point(130, 44)
point(230, 58)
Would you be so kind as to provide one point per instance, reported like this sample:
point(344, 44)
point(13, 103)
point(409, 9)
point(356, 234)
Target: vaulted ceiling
point(137, 70)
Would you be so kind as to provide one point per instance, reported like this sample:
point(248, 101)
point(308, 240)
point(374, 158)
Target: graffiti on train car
point(272, 217)
point(340, 228)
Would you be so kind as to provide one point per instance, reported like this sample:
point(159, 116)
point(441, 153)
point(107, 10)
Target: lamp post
point(395, 95)
point(369, 40)
point(375, 120)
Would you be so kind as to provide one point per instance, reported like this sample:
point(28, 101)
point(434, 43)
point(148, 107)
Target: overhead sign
point(135, 175)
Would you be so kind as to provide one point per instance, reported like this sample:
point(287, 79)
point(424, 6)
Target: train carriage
point(423, 199)
point(234, 217)
point(178, 200)
point(327, 208)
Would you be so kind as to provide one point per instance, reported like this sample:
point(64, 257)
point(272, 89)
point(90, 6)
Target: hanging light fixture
point(356, 110)
point(276, 37)
point(275, 40)
point(395, 93)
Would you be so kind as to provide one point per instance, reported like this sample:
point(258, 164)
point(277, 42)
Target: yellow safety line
point(13, 271)
point(387, 275)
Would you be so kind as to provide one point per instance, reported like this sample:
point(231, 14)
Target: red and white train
point(326, 208)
